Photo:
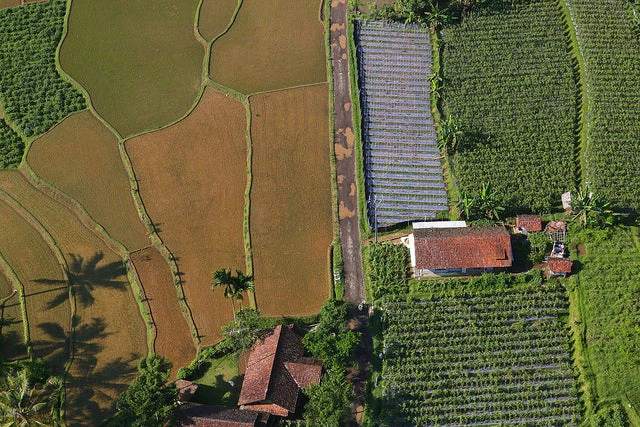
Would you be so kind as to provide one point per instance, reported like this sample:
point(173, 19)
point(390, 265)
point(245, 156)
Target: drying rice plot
point(46, 291)
point(80, 157)
point(291, 227)
point(11, 322)
point(215, 16)
point(192, 178)
point(273, 44)
point(173, 337)
point(110, 334)
point(403, 171)
point(139, 61)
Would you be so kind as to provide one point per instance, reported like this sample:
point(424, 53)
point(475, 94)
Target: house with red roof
point(530, 223)
point(437, 251)
point(559, 266)
point(276, 373)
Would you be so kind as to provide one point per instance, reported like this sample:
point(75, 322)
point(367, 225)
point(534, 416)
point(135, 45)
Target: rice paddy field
point(192, 179)
point(149, 61)
point(215, 16)
point(173, 337)
point(97, 179)
point(11, 322)
point(273, 44)
point(291, 227)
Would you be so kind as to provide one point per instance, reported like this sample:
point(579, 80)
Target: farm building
point(193, 414)
point(276, 372)
point(559, 266)
point(456, 249)
point(530, 223)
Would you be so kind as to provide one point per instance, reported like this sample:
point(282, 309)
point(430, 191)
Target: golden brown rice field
point(139, 60)
point(273, 44)
point(215, 16)
point(11, 323)
point(109, 330)
point(192, 179)
point(46, 291)
point(9, 3)
point(173, 337)
point(291, 226)
point(80, 157)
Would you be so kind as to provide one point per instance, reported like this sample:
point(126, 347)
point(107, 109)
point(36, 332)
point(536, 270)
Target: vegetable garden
point(490, 352)
point(509, 81)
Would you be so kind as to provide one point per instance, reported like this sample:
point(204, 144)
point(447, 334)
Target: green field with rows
point(491, 352)
point(509, 82)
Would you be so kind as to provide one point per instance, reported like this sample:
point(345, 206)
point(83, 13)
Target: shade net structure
point(403, 171)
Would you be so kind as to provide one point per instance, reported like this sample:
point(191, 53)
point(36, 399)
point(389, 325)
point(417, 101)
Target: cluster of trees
point(11, 146)
point(33, 94)
point(592, 210)
point(434, 14)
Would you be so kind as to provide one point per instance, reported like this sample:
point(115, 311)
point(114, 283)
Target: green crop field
point(139, 61)
point(610, 44)
point(508, 80)
point(273, 44)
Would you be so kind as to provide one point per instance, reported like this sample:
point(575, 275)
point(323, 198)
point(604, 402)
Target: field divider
point(152, 329)
point(207, 64)
point(282, 89)
point(13, 279)
point(247, 203)
point(158, 243)
point(87, 220)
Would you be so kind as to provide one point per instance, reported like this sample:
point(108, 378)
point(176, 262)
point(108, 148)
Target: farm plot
point(291, 227)
point(173, 337)
point(483, 356)
point(215, 16)
point(608, 286)
point(273, 44)
point(508, 80)
point(109, 329)
point(80, 157)
point(45, 289)
point(192, 178)
point(609, 43)
point(139, 61)
point(11, 322)
point(403, 171)
point(32, 93)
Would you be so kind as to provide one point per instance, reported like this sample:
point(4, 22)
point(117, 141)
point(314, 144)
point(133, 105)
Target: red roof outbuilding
point(456, 248)
point(531, 223)
point(195, 415)
point(560, 265)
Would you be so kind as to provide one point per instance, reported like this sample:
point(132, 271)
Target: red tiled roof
point(195, 415)
point(445, 248)
point(560, 265)
point(186, 390)
point(531, 223)
point(553, 226)
point(274, 373)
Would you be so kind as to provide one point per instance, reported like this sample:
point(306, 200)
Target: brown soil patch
point(215, 16)
point(291, 224)
point(110, 334)
point(582, 249)
point(345, 212)
point(80, 157)
point(46, 291)
point(9, 3)
point(11, 322)
point(173, 337)
point(192, 180)
point(273, 44)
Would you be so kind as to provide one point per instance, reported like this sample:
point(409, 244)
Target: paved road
point(345, 157)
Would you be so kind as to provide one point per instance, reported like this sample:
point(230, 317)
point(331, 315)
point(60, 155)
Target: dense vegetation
point(11, 146)
point(489, 352)
point(508, 82)
point(386, 268)
point(608, 288)
point(33, 94)
point(609, 42)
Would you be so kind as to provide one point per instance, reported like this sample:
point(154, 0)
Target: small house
point(559, 266)
point(529, 223)
point(276, 372)
point(196, 415)
point(459, 250)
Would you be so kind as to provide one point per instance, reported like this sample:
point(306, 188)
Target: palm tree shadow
point(85, 276)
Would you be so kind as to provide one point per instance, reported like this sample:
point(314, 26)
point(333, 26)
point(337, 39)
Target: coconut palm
point(22, 405)
point(234, 286)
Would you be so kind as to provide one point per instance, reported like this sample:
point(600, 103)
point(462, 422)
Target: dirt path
point(345, 158)
point(359, 373)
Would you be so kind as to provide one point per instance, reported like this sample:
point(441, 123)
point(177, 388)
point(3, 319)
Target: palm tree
point(449, 135)
point(22, 405)
point(591, 208)
point(234, 286)
point(488, 204)
point(466, 204)
point(437, 18)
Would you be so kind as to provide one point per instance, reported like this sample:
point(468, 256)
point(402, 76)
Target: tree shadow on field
point(85, 276)
point(472, 140)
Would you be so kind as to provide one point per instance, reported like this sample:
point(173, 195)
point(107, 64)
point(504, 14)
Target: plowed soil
point(214, 17)
point(173, 337)
point(291, 227)
point(273, 44)
point(192, 179)
point(80, 157)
